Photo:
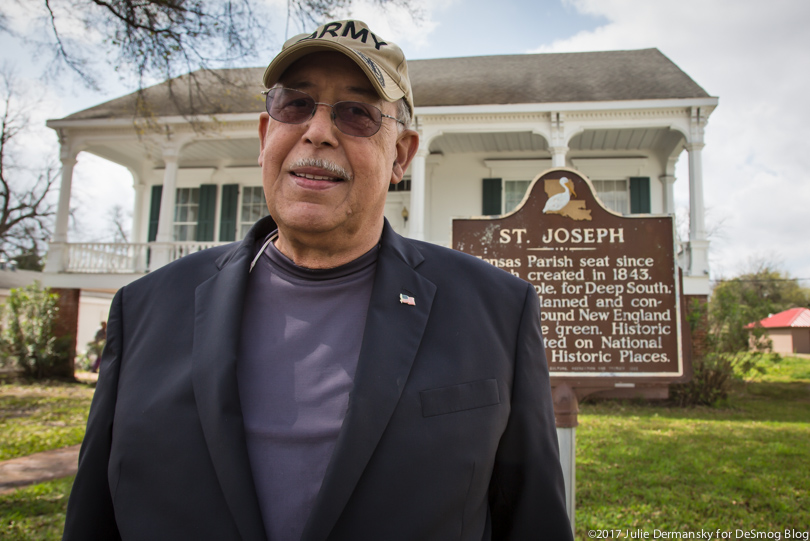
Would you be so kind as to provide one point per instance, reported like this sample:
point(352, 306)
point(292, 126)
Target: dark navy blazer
point(449, 433)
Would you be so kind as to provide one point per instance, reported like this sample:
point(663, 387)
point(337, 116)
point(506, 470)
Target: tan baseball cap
point(383, 62)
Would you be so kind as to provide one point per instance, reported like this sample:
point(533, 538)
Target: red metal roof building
point(789, 330)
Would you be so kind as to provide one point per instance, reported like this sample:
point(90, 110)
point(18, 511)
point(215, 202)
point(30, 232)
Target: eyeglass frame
point(266, 93)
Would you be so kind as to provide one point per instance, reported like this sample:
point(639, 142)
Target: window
point(502, 196)
point(186, 211)
point(403, 186)
point(254, 207)
point(514, 190)
point(613, 194)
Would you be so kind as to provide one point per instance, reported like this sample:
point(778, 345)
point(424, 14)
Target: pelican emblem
point(557, 202)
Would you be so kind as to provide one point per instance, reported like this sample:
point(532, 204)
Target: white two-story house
point(488, 126)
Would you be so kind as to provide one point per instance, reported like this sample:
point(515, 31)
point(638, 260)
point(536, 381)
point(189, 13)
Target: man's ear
point(264, 122)
point(407, 145)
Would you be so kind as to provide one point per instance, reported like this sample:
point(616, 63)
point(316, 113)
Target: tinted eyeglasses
point(351, 117)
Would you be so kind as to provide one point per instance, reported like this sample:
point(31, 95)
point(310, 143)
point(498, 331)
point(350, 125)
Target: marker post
point(566, 407)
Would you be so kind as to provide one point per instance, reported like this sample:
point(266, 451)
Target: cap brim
point(383, 82)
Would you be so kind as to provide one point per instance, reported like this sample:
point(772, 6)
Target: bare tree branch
point(25, 211)
point(76, 64)
point(160, 39)
point(119, 220)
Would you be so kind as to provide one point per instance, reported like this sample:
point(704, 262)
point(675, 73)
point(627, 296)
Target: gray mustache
point(332, 168)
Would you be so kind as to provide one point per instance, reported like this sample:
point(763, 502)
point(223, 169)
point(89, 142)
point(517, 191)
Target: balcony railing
point(113, 258)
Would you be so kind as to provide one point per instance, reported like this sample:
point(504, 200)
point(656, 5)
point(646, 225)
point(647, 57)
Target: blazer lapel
point(218, 315)
point(391, 339)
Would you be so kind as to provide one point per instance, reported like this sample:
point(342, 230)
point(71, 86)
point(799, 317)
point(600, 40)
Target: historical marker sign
point(608, 284)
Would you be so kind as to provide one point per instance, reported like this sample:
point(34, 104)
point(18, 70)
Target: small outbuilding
point(789, 330)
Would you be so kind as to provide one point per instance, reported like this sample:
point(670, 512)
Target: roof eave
point(712, 102)
point(56, 124)
point(568, 106)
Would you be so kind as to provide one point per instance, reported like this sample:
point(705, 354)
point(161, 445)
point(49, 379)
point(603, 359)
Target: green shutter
point(492, 196)
point(207, 213)
point(639, 195)
point(227, 213)
point(154, 212)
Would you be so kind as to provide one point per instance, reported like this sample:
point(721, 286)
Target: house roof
point(644, 74)
point(795, 317)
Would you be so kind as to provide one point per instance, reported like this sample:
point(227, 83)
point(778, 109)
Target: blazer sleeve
point(90, 513)
point(527, 493)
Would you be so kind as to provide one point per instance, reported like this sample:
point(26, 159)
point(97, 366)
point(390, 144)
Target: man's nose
point(321, 129)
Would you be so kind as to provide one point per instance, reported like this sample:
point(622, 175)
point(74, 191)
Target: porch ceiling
point(656, 139)
point(625, 139)
point(129, 153)
point(460, 143)
point(208, 153)
point(232, 152)
point(245, 152)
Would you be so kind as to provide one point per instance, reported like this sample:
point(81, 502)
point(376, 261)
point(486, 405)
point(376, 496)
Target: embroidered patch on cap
point(374, 69)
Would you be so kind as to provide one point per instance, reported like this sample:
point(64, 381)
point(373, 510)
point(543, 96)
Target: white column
point(698, 244)
point(558, 144)
point(668, 182)
point(558, 156)
point(165, 232)
point(697, 225)
point(698, 248)
point(58, 254)
point(161, 249)
point(60, 233)
point(417, 211)
point(136, 235)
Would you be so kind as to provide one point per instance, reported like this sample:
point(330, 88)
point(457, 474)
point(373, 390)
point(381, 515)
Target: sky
point(752, 55)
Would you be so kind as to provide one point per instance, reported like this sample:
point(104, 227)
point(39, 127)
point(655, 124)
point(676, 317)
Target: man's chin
point(309, 221)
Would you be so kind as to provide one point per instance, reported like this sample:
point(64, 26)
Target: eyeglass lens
point(296, 107)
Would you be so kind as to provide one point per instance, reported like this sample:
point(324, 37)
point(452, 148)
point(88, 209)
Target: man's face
point(306, 198)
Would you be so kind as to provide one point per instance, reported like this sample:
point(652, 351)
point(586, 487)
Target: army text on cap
point(332, 29)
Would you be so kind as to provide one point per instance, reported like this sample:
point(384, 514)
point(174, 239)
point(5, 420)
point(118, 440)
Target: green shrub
point(722, 350)
point(28, 339)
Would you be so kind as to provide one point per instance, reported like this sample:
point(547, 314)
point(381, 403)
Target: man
point(331, 380)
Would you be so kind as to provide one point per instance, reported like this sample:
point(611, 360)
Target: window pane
point(181, 233)
point(515, 189)
point(195, 195)
point(254, 207)
point(613, 194)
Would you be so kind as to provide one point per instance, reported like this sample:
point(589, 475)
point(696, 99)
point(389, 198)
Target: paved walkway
point(38, 468)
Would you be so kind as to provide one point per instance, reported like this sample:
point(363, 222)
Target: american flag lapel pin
point(407, 299)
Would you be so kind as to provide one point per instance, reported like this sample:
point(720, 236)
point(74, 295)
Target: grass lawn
point(744, 465)
point(35, 512)
point(41, 416)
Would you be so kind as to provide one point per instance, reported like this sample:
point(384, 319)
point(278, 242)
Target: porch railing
point(113, 258)
point(179, 249)
point(107, 257)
